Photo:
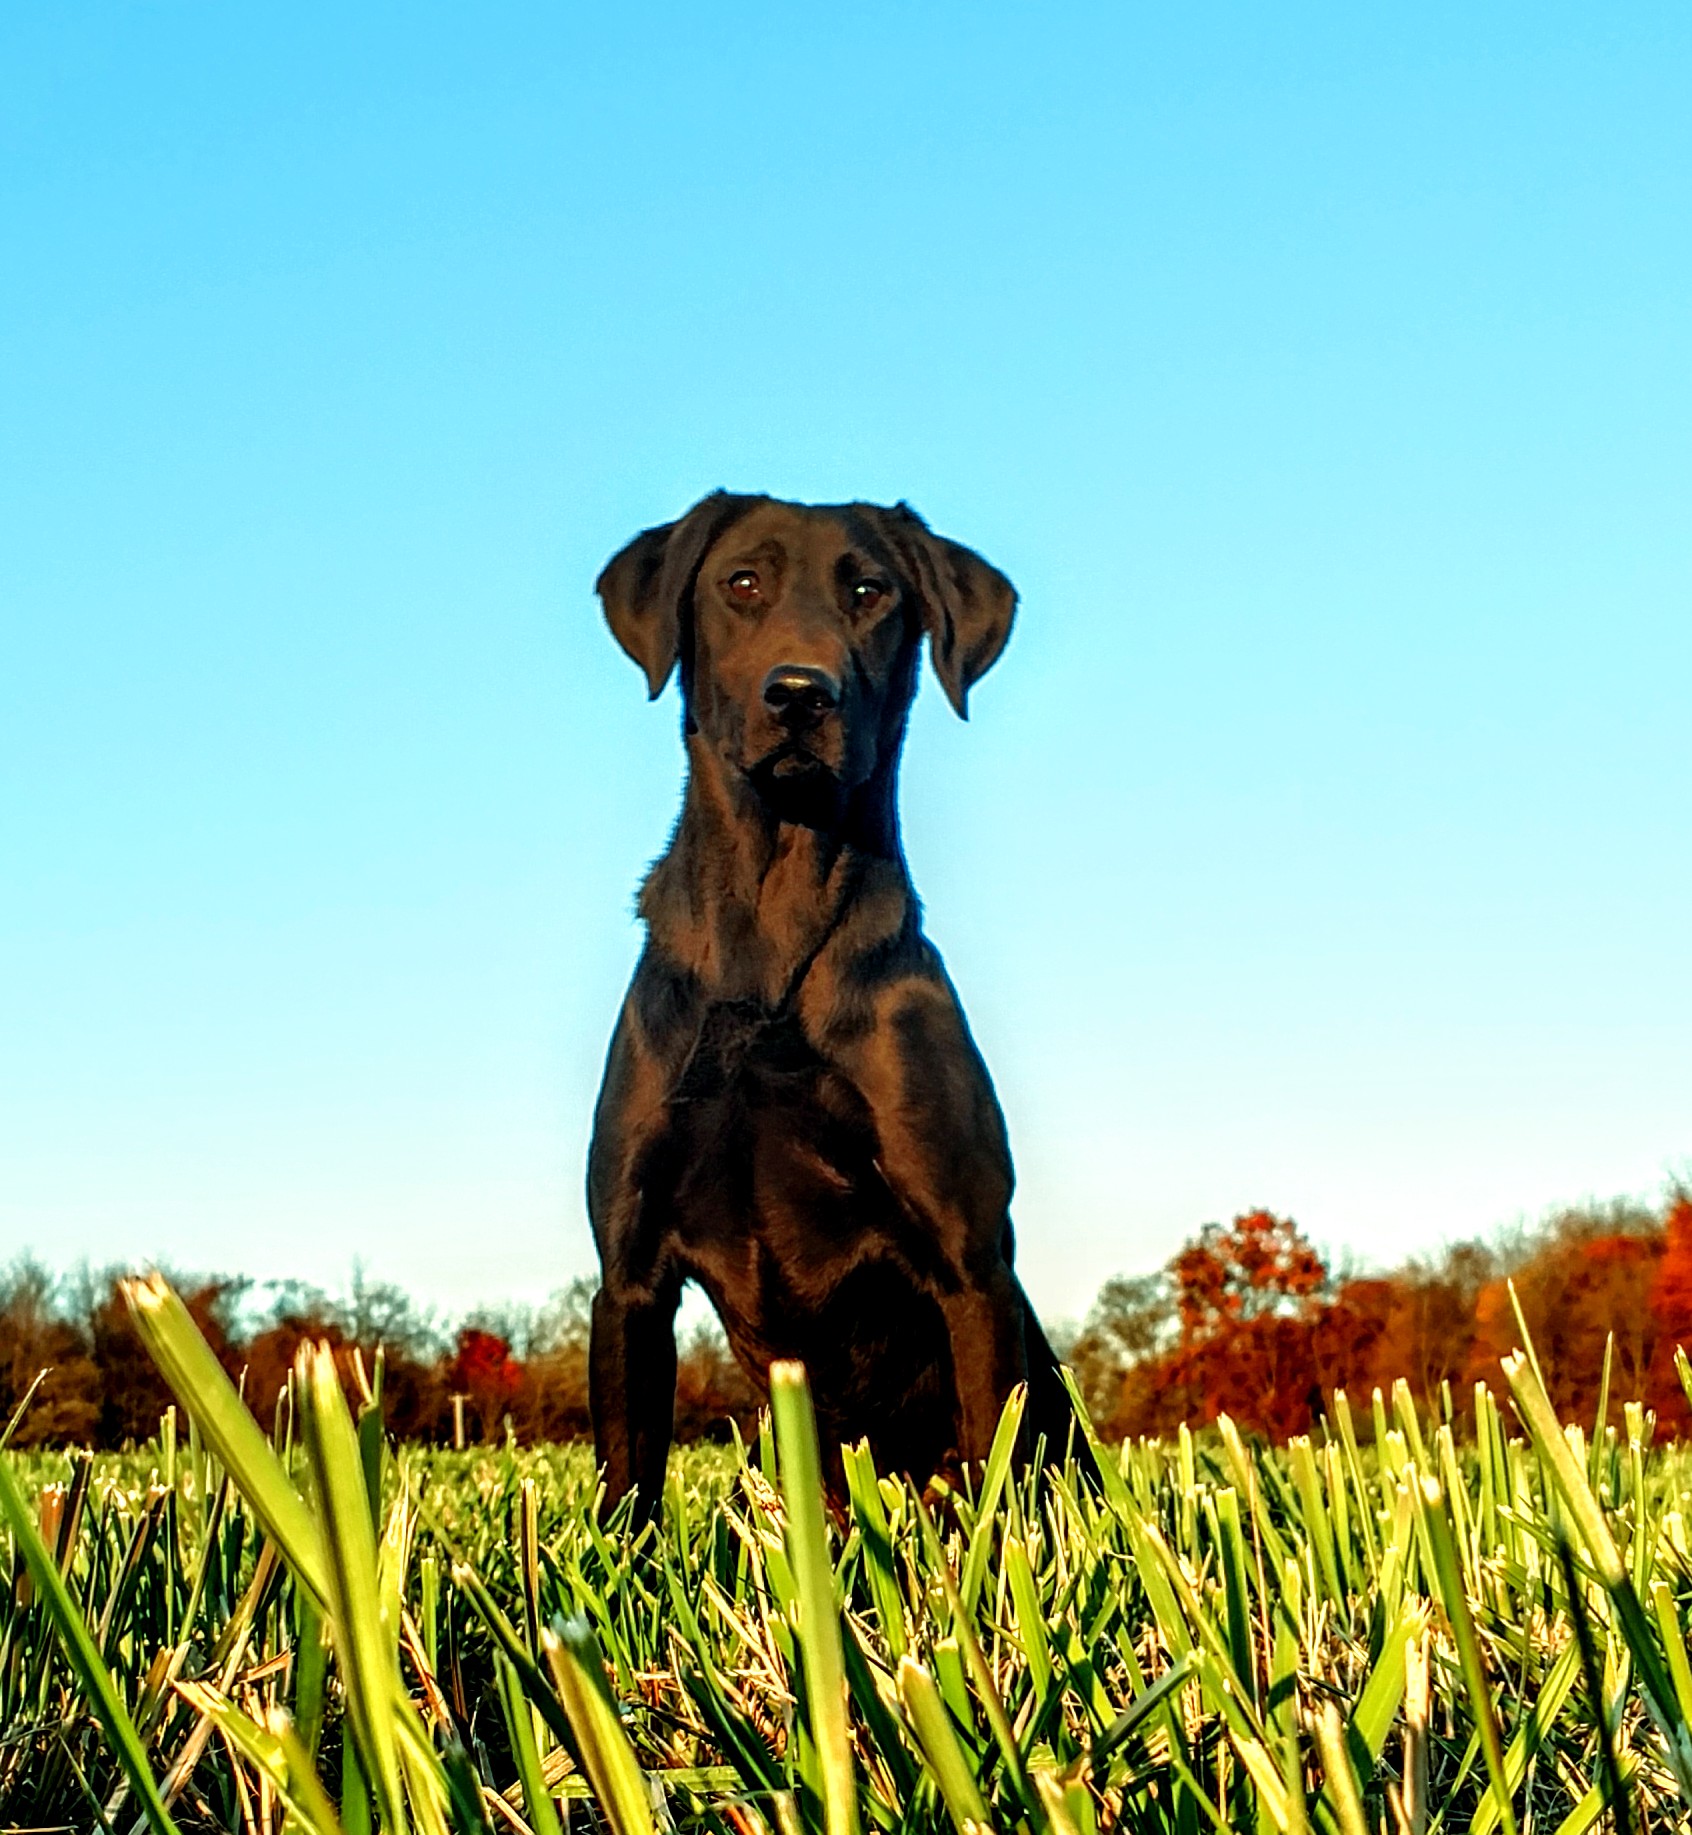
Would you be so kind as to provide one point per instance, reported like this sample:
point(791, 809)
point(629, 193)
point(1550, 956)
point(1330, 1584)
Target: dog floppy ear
point(967, 604)
point(645, 585)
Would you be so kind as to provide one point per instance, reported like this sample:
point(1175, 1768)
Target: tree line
point(519, 1370)
point(1247, 1319)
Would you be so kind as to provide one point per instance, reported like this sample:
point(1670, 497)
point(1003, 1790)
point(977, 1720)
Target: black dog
point(794, 1114)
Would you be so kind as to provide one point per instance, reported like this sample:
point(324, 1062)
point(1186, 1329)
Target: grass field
point(1380, 1628)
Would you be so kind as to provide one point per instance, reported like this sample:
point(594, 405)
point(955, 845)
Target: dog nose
point(799, 691)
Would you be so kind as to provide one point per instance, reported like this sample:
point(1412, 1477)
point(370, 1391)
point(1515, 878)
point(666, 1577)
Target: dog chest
point(765, 1143)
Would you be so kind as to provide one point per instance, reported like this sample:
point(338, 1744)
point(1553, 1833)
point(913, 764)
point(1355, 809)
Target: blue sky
point(1323, 377)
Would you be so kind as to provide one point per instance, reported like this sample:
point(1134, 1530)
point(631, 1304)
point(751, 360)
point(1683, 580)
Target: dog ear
point(645, 585)
point(967, 604)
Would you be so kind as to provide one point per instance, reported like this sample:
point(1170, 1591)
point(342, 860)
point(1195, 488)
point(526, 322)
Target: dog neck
point(754, 886)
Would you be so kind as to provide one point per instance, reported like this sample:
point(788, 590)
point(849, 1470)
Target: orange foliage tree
point(484, 1370)
point(1248, 1321)
point(1249, 1296)
point(1671, 1316)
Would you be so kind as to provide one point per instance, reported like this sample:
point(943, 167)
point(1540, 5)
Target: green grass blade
point(819, 1622)
point(1054, 1801)
point(1586, 1812)
point(1236, 1583)
point(1674, 1643)
point(1377, 1706)
point(938, 1743)
point(1144, 1704)
point(520, 1726)
point(986, 1688)
point(1108, 1459)
point(1314, 1506)
point(869, 1514)
point(275, 1749)
point(504, 1635)
point(578, 1669)
point(1533, 1404)
point(465, 1807)
point(1456, 1603)
point(366, 1644)
point(1339, 1780)
point(992, 1485)
point(1661, 1696)
point(21, 1410)
point(219, 1415)
point(1030, 1617)
point(1548, 1699)
point(1594, 1676)
point(78, 1644)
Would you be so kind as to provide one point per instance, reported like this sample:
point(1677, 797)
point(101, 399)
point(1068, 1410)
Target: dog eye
point(868, 593)
point(743, 586)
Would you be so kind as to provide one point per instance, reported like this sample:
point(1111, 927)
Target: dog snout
point(799, 693)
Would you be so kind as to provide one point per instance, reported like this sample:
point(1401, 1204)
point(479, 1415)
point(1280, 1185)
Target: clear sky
point(1322, 375)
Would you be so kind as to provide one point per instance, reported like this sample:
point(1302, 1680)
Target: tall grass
point(311, 1629)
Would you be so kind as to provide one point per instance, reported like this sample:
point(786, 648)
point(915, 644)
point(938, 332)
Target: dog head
point(797, 629)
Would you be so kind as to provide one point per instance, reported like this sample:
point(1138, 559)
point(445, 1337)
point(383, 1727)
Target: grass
point(314, 1630)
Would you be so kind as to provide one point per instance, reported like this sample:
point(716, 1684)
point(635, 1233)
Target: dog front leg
point(632, 1393)
point(984, 1322)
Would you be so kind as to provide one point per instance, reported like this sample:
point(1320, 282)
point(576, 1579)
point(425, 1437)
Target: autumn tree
point(1428, 1323)
point(1259, 1266)
point(1671, 1315)
point(37, 1341)
point(1230, 1327)
point(133, 1395)
point(484, 1371)
point(1584, 1280)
